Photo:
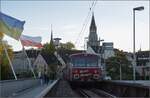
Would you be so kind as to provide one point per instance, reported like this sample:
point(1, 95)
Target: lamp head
point(139, 8)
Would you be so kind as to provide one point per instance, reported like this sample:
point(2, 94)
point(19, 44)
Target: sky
point(114, 20)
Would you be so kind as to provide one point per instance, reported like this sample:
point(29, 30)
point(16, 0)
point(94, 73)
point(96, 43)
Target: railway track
point(83, 93)
point(94, 93)
point(97, 90)
point(103, 93)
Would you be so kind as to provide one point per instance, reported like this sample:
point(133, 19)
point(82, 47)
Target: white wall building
point(40, 65)
point(108, 50)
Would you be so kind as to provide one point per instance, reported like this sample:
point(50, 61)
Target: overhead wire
point(86, 21)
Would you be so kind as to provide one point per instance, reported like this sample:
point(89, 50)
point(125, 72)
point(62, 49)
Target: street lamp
point(120, 70)
point(134, 56)
point(57, 42)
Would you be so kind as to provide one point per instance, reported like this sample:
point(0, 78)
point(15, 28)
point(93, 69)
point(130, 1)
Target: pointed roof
point(93, 21)
point(49, 58)
point(51, 35)
point(40, 60)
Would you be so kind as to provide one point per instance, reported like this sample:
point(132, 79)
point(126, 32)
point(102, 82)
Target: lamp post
point(149, 53)
point(120, 70)
point(102, 57)
point(134, 56)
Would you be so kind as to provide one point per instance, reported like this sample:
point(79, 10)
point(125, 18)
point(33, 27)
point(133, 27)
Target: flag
point(31, 41)
point(11, 26)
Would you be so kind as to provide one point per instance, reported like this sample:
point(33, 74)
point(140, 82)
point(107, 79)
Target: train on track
point(84, 67)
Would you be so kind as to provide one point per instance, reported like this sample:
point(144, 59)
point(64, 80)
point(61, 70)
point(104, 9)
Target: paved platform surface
point(32, 92)
point(141, 82)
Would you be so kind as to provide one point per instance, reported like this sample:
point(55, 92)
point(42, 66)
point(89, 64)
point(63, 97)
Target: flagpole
point(9, 61)
point(29, 62)
point(23, 49)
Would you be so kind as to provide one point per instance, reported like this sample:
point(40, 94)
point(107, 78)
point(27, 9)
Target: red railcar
point(84, 67)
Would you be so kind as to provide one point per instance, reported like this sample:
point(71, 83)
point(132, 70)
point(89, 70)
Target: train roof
point(83, 54)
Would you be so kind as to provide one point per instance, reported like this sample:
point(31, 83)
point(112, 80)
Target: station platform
point(32, 92)
point(35, 92)
point(140, 82)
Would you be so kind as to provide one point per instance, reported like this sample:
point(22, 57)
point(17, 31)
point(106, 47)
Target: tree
point(4, 64)
point(49, 48)
point(113, 65)
point(1, 35)
point(68, 45)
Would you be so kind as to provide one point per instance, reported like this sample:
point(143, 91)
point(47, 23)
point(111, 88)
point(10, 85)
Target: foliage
point(52, 73)
point(113, 66)
point(49, 48)
point(67, 45)
point(4, 64)
point(1, 35)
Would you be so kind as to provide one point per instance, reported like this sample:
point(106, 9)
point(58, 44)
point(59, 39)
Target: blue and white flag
point(11, 26)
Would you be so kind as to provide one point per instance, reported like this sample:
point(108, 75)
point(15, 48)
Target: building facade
point(20, 61)
point(143, 63)
point(40, 65)
point(108, 50)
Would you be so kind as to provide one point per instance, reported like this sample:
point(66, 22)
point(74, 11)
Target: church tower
point(93, 38)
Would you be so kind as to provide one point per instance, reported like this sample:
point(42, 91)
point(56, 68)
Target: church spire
point(51, 40)
point(93, 25)
point(93, 38)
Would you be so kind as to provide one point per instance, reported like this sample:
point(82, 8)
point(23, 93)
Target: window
point(78, 62)
point(88, 61)
point(92, 62)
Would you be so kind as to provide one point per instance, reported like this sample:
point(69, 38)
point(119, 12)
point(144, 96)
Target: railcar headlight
point(76, 76)
point(95, 71)
point(76, 71)
point(96, 76)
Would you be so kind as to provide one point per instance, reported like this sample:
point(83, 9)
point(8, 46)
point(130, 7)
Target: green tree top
point(68, 45)
point(49, 48)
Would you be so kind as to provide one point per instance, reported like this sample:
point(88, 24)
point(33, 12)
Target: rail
point(103, 93)
point(83, 93)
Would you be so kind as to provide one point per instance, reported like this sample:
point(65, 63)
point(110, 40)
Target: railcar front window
point(78, 62)
point(84, 61)
point(92, 62)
